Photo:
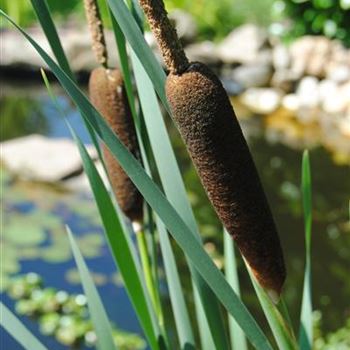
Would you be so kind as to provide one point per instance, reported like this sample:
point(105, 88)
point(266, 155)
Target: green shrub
point(320, 17)
point(216, 19)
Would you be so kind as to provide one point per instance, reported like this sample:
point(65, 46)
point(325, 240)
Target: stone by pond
point(41, 159)
point(313, 73)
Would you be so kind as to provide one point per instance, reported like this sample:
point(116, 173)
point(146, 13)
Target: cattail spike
point(96, 29)
point(207, 123)
point(107, 94)
point(170, 47)
point(215, 142)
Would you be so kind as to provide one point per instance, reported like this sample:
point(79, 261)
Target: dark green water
point(26, 110)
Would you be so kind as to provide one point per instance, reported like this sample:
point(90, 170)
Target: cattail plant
point(107, 94)
point(208, 125)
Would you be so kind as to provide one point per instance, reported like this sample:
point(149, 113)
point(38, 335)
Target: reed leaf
point(238, 340)
point(44, 16)
point(136, 40)
point(97, 311)
point(281, 331)
point(305, 331)
point(126, 261)
point(182, 319)
point(18, 330)
point(211, 323)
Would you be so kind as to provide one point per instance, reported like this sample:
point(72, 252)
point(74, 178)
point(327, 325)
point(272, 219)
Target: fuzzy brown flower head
point(169, 45)
point(214, 139)
point(107, 94)
point(96, 29)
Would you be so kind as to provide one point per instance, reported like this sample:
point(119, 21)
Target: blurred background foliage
point(321, 17)
point(216, 19)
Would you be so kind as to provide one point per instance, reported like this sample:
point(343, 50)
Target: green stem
point(151, 286)
point(282, 306)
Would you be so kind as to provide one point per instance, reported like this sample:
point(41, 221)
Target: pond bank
point(303, 85)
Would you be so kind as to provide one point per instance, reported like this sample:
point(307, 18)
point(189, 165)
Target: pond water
point(34, 238)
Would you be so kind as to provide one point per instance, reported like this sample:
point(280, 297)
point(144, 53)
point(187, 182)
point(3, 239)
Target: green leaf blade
point(181, 315)
point(176, 193)
point(238, 340)
point(43, 13)
point(120, 247)
point(134, 36)
point(306, 331)
point(97, 311)
point(281, 331)
point(18, 331)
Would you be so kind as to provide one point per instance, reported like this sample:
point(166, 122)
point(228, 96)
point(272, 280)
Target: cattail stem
point(147, 270)
point(169, 44)
point(96, 29)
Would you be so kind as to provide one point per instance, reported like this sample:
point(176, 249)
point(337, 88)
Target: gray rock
point(327, 88)
point(204, 51)
point(338, 72)
point(38, 158)
point(319, 57)
point(291, 102)
point(308, 92)
point(300, 52)
point(335, 99)
point(261, 100)
point(185, 24)
point(280, 57)
point(242, 45)
point(81, 182)
point(284, 79)
point(344, 127)
point(252, 75)
point(339, 54)
point(310, 55)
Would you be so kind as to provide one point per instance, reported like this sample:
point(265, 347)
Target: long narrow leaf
point(120, 248)
point(177, 299)
point(135, 38)
point(305, 332)
point(96, 182)
point(98, 313)
point(18, 331)
point(238, 340)
point(130, 28)
point(43, 13)
point(280, 329)
point(176, 226)
point(175, 191)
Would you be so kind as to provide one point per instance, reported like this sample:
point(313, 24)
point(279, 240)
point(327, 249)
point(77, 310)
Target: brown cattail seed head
point(96, 29)
point(107, 94)
point(209, 127)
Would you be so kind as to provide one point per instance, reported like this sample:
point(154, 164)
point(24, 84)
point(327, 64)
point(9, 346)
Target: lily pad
point(23, 234)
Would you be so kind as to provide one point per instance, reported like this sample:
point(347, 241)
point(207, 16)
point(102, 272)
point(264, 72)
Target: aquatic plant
point(214, 140)
point(107, 94)
point(159, 181)
point(62, 315)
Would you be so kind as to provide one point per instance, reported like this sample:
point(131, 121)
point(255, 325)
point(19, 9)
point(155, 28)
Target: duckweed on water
point(35, 227)
point(62, 315)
